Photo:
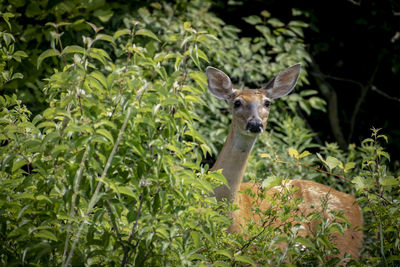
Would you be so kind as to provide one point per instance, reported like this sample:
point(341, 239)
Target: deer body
point(250, 113)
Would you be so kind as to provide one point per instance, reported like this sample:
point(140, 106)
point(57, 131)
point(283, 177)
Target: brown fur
point(310, 192)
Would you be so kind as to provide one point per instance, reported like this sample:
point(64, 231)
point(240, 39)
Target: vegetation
point(106, 131)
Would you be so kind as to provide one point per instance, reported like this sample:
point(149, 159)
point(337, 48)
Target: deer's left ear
point(219, 83)
point(283, 83)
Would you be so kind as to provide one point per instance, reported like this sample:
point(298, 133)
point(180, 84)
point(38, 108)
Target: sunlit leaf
point(147, 33)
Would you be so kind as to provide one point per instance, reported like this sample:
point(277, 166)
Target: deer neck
point(233, 160)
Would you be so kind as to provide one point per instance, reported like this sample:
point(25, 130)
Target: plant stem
point(94, 199)
point(77, 182)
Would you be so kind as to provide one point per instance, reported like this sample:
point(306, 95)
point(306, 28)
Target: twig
point(355, 2)
point(360, 100)
point(94, 198)
point(77, 182)
point(115, 226)
point(330, 95)
point(375, 89)
point(126, 250)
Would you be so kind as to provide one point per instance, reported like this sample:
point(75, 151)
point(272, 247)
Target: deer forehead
point(252, 95)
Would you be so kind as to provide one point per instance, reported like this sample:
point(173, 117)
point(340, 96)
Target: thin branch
point(77, 182)
point(325, 76)
point(115, 226)
point(360, 100)
point(375, 89)
point(126, 250)
point(94, 199)
point(357, 3)
point(330, 95)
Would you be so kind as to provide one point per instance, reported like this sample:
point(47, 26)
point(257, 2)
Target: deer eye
point(267, 103)
point(237, 104)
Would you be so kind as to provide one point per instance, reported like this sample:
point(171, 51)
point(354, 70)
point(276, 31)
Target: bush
point(107, 170)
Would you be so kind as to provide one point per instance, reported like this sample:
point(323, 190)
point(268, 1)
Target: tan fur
point(311, 194)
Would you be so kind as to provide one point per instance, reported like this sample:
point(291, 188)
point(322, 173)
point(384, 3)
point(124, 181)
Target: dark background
point(355, 48)
point(354, 44)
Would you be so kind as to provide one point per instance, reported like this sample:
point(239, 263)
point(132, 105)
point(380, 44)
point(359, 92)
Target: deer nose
point(254, 126)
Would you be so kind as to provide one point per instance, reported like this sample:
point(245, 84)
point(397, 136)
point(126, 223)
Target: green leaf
point(73, 49)
point(46, 234)
point(126, 191)
point(253, 19)
point(333, 162)
point(221, 264)
point(304, 154)
point(196, 238)
point(147, 33)
point(271, 181)
point(305, 242)
point(120, 33)
point(106, 134)
point(105, 37)
point(46, 54)
point(349, 165)
point(388, 181)
point(293, 152)
point(100, 77)
point(224, 252)
point(245, 259)
point(276, 22)
point(361, 183)
point(59, 148)
point(18, 163)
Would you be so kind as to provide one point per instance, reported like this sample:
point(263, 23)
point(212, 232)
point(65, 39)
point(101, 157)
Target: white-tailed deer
point(250, 113)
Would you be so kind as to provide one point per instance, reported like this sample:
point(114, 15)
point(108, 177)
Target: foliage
point(107, 169)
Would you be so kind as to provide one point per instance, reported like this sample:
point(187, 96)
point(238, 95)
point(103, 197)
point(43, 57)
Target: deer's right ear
point(219, 83)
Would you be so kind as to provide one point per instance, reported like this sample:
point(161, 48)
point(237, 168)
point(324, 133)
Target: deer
point(250, 109)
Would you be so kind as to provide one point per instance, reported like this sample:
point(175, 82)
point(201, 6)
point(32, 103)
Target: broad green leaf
point(200, 78)
point(349, 165)
point(46, 234)
point(202, 55)
point(73, 49)
point(271, 181)
point(100, 77)
point(304, 154)
point(224, 252)
point(147, 33)
point(105, 37)
point(245, 259)
point(106, 134)
point(253, 19)
point(196, 238)
point(324, 240)
point(361, 183)
point(275, 22)
point(59, 148)
point(305, 242)
point(46, 54)
point(46, 124)
point(217, 175)
point(18, 162)
point(389, 181)
point(120, 33)
point(45, 198)
point(126, 191)
point(333, 162)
